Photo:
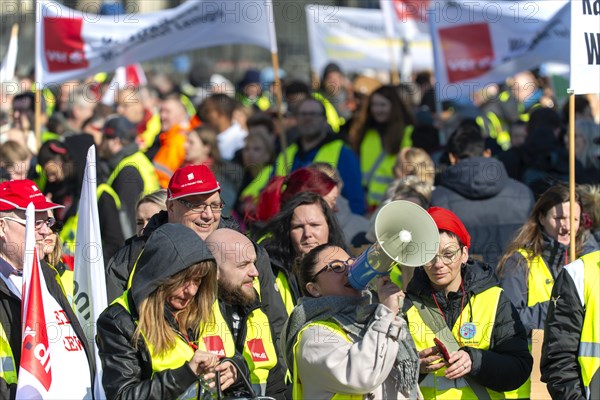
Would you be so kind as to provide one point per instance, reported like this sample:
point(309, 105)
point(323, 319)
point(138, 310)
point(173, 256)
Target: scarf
point(354, 315)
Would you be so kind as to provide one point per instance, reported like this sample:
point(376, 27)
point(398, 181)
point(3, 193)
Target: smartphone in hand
point(442, 348)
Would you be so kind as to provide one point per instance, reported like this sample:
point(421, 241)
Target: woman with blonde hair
point(147, 206)
point(413, 161)
point(147, 338)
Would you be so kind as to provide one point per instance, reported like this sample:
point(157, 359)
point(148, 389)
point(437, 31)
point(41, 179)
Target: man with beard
point(241, 322)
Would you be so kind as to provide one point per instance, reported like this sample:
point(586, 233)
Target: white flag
point(356, 39)
point(585, 46)
point(484, 42)
point(9, 64)
point(74, 44)
point(35, 370)
point(89, 297)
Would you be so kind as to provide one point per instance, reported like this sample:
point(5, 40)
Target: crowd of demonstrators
point(352, 146)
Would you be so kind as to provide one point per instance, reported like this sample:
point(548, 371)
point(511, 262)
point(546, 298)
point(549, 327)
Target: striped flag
point(35, 372)
point(89, 297)
point(132, 76)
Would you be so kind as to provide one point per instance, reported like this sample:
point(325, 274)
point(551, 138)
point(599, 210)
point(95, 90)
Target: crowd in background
point(316, 175)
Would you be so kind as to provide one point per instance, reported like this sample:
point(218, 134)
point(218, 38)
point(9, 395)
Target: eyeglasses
point(337, 266)
point(38, 224)
point(447, 257)
point(200, 208)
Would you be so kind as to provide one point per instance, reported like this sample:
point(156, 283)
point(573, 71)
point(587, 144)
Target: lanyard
point(462, 307)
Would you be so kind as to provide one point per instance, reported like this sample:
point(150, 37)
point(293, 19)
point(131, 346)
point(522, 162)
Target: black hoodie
point(507, 364)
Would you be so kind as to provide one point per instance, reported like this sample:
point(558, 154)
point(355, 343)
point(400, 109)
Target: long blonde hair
point(152, 320)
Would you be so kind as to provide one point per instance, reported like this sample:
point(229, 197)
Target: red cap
point(192, 180)
point(17, 194)
point(446, 220)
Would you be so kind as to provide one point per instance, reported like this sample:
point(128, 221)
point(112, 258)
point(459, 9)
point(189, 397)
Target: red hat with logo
point(192, 180)
point(17, 194)
point(446, 220)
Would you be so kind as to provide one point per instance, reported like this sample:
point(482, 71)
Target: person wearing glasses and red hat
point(482, 349)
point(74, 378)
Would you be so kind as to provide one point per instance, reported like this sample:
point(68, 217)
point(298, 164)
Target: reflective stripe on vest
point(8, 371)
point(377, 166)
point(539, 279)
point(144, 166)
point(297, 390)
point(589, 343)
point(172, 359)
point(480, 315)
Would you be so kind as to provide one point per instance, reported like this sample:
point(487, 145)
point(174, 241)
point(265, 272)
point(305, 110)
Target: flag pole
point(38, 79)
point(394, 76)
point(571, 92)
point(277, 84)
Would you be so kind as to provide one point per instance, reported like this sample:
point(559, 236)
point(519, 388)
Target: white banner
point(585, 46)
point(477, 43)
point(89, 297)
point(355, 38)
point(73, 44)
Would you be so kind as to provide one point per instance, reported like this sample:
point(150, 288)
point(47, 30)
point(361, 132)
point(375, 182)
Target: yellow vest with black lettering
point(589, 343)
point(328, 153)
point(480, 314)
point(8, 370)
point(174, 358)
point(139, 161)
point(377, 166)
point(297, 390)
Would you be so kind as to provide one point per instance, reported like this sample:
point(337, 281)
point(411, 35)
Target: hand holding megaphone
point(406, 235)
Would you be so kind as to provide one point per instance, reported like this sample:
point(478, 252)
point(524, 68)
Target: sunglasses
point(337, 266)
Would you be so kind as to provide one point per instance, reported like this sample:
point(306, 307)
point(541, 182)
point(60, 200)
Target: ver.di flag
point(89, 297)
point(73, 44)
point(35, 371)
point(484, 42)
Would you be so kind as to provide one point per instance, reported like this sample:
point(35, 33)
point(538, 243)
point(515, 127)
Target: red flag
point(35, 355)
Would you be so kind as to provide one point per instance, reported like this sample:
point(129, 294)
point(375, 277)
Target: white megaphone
point(406, 235)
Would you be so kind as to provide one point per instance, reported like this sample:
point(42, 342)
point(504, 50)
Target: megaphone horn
point(406, 234)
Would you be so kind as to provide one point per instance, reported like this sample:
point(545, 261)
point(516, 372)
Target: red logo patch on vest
point(63, 44)
point(257, 350)
point(214, 345)
point(467, 59)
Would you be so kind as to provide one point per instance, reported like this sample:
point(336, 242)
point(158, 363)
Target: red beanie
point(446, 220)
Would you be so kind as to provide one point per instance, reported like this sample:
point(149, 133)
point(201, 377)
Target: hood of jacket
point(170, 249)
point(476, 177)
point(477, 277)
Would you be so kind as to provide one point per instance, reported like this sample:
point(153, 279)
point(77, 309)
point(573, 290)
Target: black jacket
point(10, 318)
point(560, 366)
point(127, 366)
point(490, 204)
point(507, 364)
point(514, 277)
point(120, 266)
